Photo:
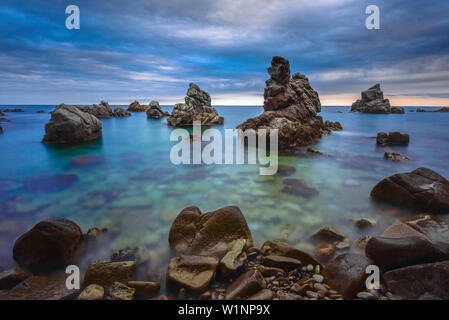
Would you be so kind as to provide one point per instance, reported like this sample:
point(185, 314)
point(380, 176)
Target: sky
point(151, 50)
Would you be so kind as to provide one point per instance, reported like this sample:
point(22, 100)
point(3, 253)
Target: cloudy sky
point(152, 49)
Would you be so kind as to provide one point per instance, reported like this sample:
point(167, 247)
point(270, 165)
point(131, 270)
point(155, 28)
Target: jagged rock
point(49, 245)
point(197, 107)
point(106, 273)
point(92, 292)
point(137, 107)
point(393, 156)
point(191, 272)
point(291, 106)
point(120, 112)
point(397, 110)
point(282, 249)
point(120, 291)
point(335, 126)
point(211, 233)
point(100, 111)
point(392, 139)
point(372, 102)
point(155, 111)
point(421, 188)
point(424, 281)
point(69, 125)
point(246, 285)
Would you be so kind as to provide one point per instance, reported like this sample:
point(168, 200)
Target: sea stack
point(372, 102)
point(197, 107)
point(291, 106)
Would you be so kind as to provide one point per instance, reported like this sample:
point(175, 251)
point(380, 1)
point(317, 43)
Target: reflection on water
point(125, 182)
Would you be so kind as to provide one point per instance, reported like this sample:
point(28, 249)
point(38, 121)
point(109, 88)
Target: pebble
point(318, 278)
point(320, 287)
point(317, 269)
point(366, 296)
point(311, 294)
point(310, 267)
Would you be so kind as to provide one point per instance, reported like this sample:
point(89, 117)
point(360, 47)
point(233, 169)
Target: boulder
point(106, 273)
point(92, 292)
point(291, 106)
point(246, 285)
point(197, 107)
point(191, 272)
point(137, 107)
point(347, 274)
point(392, 139)
point(120, 291)
point(282, 249)
point(100, 111)
point(372, 102)
point(393, 156)
point(399, 110)
point(11, 278)
point(423, 281)
point(335, 126)
point(155, 111)
point(422, 189)
point(120, 112)
point(69, 125)
point(145, 289)
point(210, 233)
point(49, 245)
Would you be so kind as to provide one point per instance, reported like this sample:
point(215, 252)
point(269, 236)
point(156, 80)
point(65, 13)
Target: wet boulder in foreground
point(49, 245)
point(291, 106)
point(372, 102)
point(210, 233)
point(69, 125)
point(197, 107)
point(421, 189)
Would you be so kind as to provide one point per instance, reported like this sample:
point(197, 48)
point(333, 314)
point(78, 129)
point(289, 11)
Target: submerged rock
point(210, 233)
point(422, 189)
point(1, 129)
point(137, 107)
point(155, 111)
point(317, 152)
point(392, 139)
point(291, 106)
point(49, 183)
point(120, 112)
point(49, 245)
point(69, 125)
point(324, 250)
point(246, 285)
point(393, 156)
point(197, 107)
point(372, 102)
point(191, 272)
point(86, 161)
point(298, 188)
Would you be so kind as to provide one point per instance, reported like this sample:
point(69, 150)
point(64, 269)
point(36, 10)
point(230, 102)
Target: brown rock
point(346, 274)
point(298, 188)
point(92, 292)
point(269, 271)
point(211, 233)
point(282, 249)
point(49, 245)
point(12, 277)
point(246, 285)
point(328, 234)
point(192, 272)
point(281, 262)
point(120, 291)
point(324, 251)
point(145, 289)
point(392, 139)
point(282, 295)
point(264, 294)
point(137, 107)
point(120, 113)
point(393, 156)
point(359, 246)
point(106, 273)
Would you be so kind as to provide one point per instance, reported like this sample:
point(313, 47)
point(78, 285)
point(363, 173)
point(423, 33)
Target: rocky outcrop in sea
point(137, 107)
point(155, 111)
point(372, 102)
point(291, 106)
point(100, 111)
point(197, 107)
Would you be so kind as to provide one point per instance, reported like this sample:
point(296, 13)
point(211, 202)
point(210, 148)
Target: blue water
point(133, 189)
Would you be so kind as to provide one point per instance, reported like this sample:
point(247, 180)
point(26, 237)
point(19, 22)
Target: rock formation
point(291, 106)
point(392, 139)
point(100, 111)
point(120, 112)
point(155, 111)
point(397, 110)
point(137, 107)
point(372, 102)
point(69, 125)
point(444, 109)
point(197, 107)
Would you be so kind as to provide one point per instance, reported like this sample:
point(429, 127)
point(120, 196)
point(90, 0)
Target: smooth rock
point(264, 294)
point(328, 234)
point(106, 273)
point(120, 291)
point(92, 292)
point(145, 289)
point(234, 259)
point(282, 249)
point(281, 262)
point(324, 251)
point(246, 285)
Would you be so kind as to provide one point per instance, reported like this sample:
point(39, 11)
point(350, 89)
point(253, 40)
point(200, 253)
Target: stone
point(298, 188)
point(421, 189)
point(335, 126)
point(400, 229)
point(291, 106)
point(346, 274)
point(69, 125)
point(105, 273)
point(372, 102)
point(197, 107)
point(137, 107)
point(210, 233)
point(270, 271)
point(281, 262)
point(282, 295)
point(120, 113)
point(324, 251)
point(399, 110)
point(423, 281)
point(393, 253)
point(40, 288)
point(120, 291)
point(392, 139)
point(366, 295)
point(394, 156)
point(264, 294)
point(100, 111)
point(12, 277)
point(234, 259)
point(49, 183)
point(145, 289)
point(435, 228)
point(282, 249)
point(363, 223)
point(192, 272)
point(246, 285)
point(155, 111)
point(126, 254)
point(49, 245)
point(92, 292)
point(328, 234)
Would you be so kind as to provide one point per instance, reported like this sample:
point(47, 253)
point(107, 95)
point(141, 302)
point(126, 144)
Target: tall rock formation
point(372, 102)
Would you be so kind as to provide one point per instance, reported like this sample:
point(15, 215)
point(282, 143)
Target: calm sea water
point(134, 190)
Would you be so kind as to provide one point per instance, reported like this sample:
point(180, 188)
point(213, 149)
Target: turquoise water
point(131, 187)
